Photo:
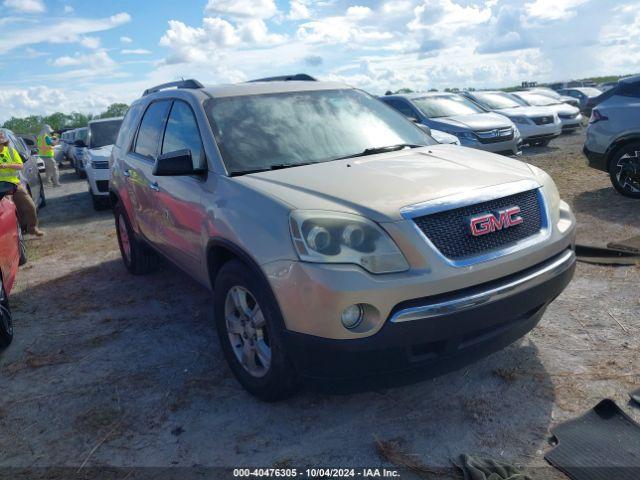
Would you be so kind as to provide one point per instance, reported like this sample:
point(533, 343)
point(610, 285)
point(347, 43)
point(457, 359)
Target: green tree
point(404, 90)
point(115, 110)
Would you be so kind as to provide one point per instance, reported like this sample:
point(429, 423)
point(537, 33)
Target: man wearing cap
point(46, 152)
point(10, 166)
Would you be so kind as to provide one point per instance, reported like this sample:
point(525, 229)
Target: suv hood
point(378, 186)
point(101, 151)
point(476, 121)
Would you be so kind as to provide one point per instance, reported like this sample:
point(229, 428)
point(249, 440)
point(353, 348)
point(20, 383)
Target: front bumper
point(569, 124)
point(98, 179)
point(433, 335)
point(534, 132)
point(595, 160)
point(508, 147)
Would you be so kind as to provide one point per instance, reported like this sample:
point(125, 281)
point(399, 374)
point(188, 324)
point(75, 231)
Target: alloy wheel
point(247, 331)
point(628, 171)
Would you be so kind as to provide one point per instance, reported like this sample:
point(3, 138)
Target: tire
point(99, 203)
point(138, 258)
point(22, 248)
point(624, 170)
point(269, 380)
point(6, 320)
point(42, 201)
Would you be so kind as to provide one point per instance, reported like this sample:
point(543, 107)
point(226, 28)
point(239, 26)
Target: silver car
point(613, 136)
point(340, 241)
point(537, 125)
point(570, 117)
point(457, 115)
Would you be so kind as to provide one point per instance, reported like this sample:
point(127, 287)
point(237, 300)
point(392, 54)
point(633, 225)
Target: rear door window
point(182, 133)
point(151, 129)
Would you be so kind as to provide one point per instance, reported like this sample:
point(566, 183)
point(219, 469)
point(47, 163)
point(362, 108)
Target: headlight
point(550, 189)
point(520, 120)
point(333, 237)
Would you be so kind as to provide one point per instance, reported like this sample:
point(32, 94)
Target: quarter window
point(151, 129)
point(182, 133)
point(126, 127)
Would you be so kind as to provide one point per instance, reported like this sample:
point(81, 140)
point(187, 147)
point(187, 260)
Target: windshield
point(446, 106)
point(547, 93)
point(537, 99)
point(259, 132)
point(104, 133)
point(495, 100)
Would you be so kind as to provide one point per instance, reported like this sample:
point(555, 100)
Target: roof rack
point(190, 83)
point(286, 78)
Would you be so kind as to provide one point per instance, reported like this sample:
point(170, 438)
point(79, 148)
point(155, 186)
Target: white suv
point(100, 139)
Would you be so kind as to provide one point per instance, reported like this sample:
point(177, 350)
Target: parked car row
point(493, 121)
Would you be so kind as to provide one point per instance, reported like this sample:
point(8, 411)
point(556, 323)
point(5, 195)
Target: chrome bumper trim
point(531, 279)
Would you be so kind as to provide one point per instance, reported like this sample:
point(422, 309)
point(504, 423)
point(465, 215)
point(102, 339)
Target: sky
point(72, 55)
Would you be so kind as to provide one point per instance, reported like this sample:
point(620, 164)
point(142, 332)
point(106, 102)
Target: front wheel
point(624, 170)
point(248, 323)
point(6, 321)
point(137, 257)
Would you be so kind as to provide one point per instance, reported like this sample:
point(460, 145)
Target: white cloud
point(553, 9)
point(68, 9)
point(358, 12)
point(25, 6)
point(126, 39)
point(135, 51)
point(61, 31)
point(242, 8)
point(298, 11)
point(202, 44)
point(90, 42)
point(99, 61)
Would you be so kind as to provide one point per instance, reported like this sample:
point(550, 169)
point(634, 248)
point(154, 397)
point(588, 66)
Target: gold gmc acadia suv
point(340, 240)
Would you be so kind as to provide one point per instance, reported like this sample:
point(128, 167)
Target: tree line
point(61, 121)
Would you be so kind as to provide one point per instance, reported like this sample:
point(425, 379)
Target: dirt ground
point(108, 369)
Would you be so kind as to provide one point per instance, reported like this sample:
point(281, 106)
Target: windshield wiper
point(374, 150)
point(277, 166)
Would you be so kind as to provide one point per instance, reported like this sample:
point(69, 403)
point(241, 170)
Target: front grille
point(496, 135)
point(100, 164)
point(450, 230)
point(543, 120)
point(568, 116)
point(102, 185)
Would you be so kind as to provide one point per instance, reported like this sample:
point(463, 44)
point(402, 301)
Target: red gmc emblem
point(489, 222)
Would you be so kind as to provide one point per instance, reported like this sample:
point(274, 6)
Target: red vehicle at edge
point(12, 254)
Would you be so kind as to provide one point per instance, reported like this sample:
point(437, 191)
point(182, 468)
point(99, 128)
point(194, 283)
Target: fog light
point(352, 316)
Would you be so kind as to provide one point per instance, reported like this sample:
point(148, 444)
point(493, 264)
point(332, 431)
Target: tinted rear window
point(151, 129)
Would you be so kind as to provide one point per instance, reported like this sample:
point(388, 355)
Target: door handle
point(126, 173)
point(154, 186)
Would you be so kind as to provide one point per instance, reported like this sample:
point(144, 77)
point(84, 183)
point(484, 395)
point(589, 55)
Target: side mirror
point(424, 128)
point(80, 143)
point(175, 164)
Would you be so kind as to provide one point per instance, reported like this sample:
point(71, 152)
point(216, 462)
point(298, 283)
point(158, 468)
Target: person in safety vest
point(10, 167)
point(46, 152)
